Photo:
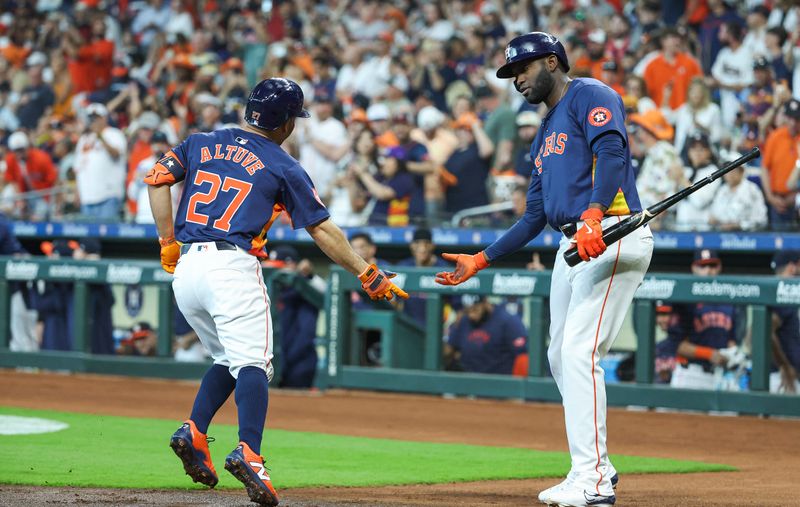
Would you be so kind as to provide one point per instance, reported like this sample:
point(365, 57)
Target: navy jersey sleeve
point(526, 228)
point(599, 110)
point(8, 242)
point(301, 199)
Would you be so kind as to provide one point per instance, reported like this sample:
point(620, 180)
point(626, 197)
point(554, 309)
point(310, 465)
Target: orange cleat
point(191, 447)
point(249, 468)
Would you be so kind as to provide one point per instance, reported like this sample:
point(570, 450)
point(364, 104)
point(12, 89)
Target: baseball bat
point(633, 222)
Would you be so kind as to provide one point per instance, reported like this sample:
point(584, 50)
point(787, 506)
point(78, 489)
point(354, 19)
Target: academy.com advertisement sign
point(751, 290)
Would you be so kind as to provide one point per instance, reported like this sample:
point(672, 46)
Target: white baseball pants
point(223, 297)
point(588, 304)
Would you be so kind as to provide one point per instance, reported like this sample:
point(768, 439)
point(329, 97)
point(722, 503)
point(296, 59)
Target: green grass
point(127, 452)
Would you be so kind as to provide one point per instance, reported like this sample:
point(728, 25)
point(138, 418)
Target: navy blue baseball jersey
point(564, 177)
point(490, 346)
point(707, 325)
point(789, 333)
point(237, 183)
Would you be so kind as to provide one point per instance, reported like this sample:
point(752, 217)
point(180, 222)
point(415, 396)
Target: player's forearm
point(527, 228)
point(161, 206)
point(609, 168)
point(331, 240)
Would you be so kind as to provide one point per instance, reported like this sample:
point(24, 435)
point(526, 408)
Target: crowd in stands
point(409, 124)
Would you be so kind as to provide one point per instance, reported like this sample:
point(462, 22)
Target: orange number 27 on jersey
point(223, 223)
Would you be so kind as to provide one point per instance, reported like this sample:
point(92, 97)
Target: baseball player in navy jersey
point(581, 180)
point(237, 182)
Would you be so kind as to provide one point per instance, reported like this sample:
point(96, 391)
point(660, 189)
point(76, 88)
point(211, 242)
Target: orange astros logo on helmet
point(599, 116)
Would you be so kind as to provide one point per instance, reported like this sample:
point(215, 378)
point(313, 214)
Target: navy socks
point(252, 397)
point(216, 387)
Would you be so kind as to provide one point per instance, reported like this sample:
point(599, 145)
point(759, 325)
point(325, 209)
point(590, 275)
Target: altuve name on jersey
point(236, 154)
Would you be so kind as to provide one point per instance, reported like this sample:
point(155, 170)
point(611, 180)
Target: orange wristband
point(703, 353)
point(481, 262)
point(166, 241)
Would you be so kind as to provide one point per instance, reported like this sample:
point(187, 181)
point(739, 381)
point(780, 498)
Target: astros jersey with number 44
point(561, 152)
point(237, 183)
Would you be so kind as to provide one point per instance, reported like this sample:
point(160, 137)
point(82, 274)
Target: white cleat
point(573, 495)
point(547, 494)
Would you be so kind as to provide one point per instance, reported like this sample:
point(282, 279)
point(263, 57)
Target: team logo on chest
point(555, 143)
point(599, 116)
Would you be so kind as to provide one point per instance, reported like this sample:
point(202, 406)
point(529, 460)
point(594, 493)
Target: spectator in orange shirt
point(30, 169)
point(591, 63)
point(779, 159)
point(91, 56)
point(671, 68)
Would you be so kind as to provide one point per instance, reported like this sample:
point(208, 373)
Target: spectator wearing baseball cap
point(527, 126)
point(137, 189)
point(323, 142)
point(738, 204)
point(54, 301)
point(785, 330)
point(703, 330)
point(30, 169)
point(37, 97)
point(706, 257)
point(423, 255)
point(755, 40)
point(469, 165)
point(141, 341)
point(652, 132)
point(392, 188)
point(691, 214)
point(666, 349)
point(780, 156)
point(485, 338)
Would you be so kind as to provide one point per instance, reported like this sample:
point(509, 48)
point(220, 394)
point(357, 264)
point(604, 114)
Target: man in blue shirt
point(487, 339)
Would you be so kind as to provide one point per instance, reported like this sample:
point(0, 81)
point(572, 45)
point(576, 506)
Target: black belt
point(221, 245)
point(569, 229)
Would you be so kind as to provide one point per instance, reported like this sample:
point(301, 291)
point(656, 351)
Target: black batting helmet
point(531, 46)
point(272, 102)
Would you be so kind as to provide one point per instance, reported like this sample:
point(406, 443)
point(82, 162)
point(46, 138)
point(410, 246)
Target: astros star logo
point(599, 116)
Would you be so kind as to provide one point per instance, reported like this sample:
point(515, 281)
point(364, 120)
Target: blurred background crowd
point(409, 123)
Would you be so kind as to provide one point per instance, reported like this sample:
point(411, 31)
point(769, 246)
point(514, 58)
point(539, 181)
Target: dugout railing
point(404, 343)
point(81, 274)
point(758, 292)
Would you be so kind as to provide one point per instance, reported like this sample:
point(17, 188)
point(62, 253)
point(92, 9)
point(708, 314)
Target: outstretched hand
point(378, 285)
point(466, 267)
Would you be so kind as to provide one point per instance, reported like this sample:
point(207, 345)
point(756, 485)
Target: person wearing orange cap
point(470, 165)
point(655, 182)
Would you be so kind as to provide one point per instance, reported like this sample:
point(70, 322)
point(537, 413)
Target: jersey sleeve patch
point(599, 116)
point(167, 170)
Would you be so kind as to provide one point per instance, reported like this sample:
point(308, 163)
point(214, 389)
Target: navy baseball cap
point(706, 256)
point(792, 109)
point(784, 257)
point(284, 253)
point(422, 233)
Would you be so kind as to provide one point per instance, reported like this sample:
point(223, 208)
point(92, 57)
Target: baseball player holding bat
point(237, 182)
point(581, 178)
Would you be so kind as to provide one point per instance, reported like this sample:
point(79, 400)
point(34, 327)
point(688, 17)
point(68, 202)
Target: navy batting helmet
point(272, 102)
point(531, 46)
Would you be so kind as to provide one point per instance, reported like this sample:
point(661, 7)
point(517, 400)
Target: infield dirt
point(766, 451)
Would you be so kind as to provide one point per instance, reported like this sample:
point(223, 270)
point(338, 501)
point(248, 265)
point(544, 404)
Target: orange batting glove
point(466, 267)
point(170, 251)
point(589, 238)
point(377, 284)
